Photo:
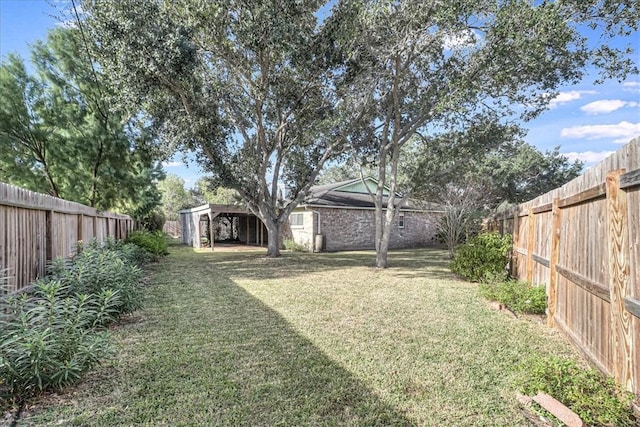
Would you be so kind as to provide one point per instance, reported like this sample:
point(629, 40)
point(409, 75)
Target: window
point(296, 219)
point(401, 220)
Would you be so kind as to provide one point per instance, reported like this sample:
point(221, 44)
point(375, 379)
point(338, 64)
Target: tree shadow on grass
point(215, 355)
point(424, 262)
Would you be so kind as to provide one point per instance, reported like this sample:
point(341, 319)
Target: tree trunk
point(273, 237)
point(381, 256)
point(384, 236)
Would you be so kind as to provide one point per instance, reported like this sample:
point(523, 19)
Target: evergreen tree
point(59, 135)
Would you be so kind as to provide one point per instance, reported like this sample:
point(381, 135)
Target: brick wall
point(350, 229)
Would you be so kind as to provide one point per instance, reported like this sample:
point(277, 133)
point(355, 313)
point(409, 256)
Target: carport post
point(212, 230)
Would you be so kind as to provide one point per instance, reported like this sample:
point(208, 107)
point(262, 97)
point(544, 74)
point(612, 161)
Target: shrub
point(52, 337)
point(152, 221)
point(47, 340)
point(521, 297)
point(483, 258)
point(291, 245)
point(94, 271)
point(591, 395)
point(155, 242)
point(136, 254)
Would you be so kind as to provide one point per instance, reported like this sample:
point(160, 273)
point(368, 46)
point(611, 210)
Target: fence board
point(35, 228)
point(589, 232)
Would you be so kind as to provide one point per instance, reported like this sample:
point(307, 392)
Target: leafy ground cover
point(233, 338)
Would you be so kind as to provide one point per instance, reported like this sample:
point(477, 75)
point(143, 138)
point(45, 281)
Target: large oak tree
point(238, 82)
point(466, 67)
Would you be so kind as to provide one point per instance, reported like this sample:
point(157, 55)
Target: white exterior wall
point(304, 235)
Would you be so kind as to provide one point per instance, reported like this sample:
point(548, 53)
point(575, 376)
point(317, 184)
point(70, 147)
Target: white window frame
point(401, 220)
point(297, 215)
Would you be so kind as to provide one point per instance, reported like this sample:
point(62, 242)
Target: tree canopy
point(174, 196)
point(58, 134)
point(268, 92)
point(239, 83)
point(473, 67)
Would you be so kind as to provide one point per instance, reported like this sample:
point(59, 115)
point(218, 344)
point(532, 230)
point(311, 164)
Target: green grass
point(308, 339)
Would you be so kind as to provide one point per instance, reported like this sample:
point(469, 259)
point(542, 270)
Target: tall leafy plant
point(48, 340)
point(243, 84)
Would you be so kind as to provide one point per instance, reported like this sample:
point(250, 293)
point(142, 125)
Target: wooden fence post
point(48, 235)
point(618, 254)
point(79, 232)
point(552, 301)
point(531, 244)
point(516, 239)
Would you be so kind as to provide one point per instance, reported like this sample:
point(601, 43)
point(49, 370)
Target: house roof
point(353, 194)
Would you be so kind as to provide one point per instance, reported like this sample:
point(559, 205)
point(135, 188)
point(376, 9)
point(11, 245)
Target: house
point(340, 216)
point(333, 217)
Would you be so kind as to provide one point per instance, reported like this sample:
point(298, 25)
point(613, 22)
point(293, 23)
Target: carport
point(250, 229)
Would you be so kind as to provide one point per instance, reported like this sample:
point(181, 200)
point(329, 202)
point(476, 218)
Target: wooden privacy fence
point(172, 228)
point(582, 241)
point(36, 228)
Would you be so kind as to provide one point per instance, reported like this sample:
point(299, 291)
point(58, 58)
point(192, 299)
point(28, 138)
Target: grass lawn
point(232, 338)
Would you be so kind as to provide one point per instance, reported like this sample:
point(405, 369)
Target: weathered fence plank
point(555, 256)
point(622, 336)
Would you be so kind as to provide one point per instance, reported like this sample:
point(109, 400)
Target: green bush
point(136, 254)
point(129, 252)
point(521, 297)
point(152, 221)
point(291, 245)
point(95, 271)
point(591, 395)
point(483, 258)
point(154, 242)
point(48, 340)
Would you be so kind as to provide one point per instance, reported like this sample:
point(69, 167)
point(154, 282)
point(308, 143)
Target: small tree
point(174, 196)
point(463, 208)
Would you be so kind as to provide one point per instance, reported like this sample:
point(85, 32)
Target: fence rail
point(582, 241)
point(36, 228)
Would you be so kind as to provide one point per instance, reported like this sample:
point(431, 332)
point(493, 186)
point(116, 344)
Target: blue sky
point(588, 122)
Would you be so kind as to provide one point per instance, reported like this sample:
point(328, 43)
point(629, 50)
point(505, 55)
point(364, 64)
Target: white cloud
point(589, 156)
point(631, 86)
point(607, 106)
point(172, 164)
point(623, 132)
point(572, 95)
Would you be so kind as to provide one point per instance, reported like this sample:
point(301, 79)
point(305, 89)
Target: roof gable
point(358, 186)
point(352, 194)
